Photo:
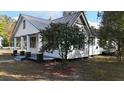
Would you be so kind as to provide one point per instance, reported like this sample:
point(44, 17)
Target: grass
point(99, 68)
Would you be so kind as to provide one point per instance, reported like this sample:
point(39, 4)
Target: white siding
point(95, 49)
point(84, 52)
point(29, 29)
point(39, 40)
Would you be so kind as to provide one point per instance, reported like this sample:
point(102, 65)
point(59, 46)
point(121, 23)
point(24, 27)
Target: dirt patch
point(5, 51)
point(5, 54)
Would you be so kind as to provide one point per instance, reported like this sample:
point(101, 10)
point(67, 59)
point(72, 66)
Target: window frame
point(24, 24)
point(33, 41)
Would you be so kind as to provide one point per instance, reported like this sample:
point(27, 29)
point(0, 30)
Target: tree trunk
point(119, 54)
point(66, 55)
point(64, 62)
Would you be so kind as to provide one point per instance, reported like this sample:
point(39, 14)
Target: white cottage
point(26, 36)
point(94, 48)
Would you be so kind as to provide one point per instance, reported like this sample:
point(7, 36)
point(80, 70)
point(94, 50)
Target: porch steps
point(33, 57)
point(44, 58)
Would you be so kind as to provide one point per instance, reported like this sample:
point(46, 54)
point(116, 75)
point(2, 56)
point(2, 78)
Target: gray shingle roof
point(41, 24)
point(70, 19)
point(37, 22)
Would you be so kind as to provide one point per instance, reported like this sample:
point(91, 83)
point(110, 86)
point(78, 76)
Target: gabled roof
point(37, 22)
point(70, 19)
point(41, 24)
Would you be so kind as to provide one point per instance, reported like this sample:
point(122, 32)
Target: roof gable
point(77, 17)
point(38, 23)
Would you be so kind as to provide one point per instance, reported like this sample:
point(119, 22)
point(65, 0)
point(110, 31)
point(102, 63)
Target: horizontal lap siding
point(30, 29)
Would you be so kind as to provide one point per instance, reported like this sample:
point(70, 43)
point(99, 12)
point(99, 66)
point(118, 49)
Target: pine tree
point(112, 32)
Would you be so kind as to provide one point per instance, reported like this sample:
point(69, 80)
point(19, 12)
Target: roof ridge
point(76, 16)
point(35, 17)
point(66, 16)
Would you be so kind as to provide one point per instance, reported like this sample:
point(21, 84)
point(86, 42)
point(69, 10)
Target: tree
point(62, 37)
point(112, 32)
point(5, 41)
point(6, 28)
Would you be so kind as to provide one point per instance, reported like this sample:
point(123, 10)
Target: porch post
point(28, 53)
point(15, 41)
point(28, 43)
point(22, 43)
point(39, 43)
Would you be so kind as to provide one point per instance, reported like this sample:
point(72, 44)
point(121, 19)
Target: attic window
point(23, 24)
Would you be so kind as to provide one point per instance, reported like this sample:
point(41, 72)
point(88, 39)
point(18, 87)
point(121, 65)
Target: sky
point(91, 15)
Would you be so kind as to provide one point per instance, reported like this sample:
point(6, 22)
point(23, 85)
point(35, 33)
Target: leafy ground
point(97, 68)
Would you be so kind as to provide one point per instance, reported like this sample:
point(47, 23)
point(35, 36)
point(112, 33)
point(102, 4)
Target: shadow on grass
point(97, 68)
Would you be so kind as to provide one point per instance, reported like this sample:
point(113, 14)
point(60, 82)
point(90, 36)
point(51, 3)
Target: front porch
point(28, 47)
point(27, 43)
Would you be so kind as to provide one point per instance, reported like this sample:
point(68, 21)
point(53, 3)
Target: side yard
point(5, 54)
point(96, 68)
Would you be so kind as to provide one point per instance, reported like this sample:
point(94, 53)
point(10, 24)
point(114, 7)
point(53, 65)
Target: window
point(25, 42)
point(24, 24)
point(18, 43)
point(33, 42)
